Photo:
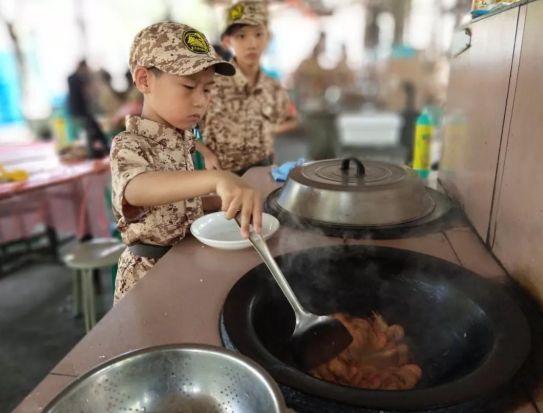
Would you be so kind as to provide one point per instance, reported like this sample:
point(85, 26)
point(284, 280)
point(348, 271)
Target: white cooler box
point(376, 129)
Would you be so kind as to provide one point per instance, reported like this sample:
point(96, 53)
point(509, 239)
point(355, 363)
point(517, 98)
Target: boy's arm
point(164, 187)
point(288, 115)
point(211, 160)
point(287, 126)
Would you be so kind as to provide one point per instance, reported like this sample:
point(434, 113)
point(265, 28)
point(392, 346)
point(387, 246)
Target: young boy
point(156, 192)
point(248, 108)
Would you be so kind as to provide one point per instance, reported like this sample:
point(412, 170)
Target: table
point(79, 186)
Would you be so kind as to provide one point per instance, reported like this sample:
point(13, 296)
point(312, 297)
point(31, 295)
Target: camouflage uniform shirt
point(238, 125)
point(148, 146)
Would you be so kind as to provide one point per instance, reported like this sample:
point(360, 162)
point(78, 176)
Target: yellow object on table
point(16, 175)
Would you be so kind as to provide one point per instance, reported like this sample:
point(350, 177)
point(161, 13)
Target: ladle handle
point(262, 248)
point(360, 168)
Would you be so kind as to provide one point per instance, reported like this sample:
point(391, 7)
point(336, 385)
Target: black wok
point(466, 332)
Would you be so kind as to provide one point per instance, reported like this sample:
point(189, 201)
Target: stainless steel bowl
point(173, 379)
point(348, 193)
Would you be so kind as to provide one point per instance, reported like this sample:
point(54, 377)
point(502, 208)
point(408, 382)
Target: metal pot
point(354, 194)
point(173, 378)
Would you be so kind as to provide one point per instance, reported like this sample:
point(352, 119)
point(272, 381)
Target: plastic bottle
point(424, 131)
point(60, 129)
point(197, 157)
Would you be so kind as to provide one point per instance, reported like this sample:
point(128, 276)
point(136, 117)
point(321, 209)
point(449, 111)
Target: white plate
point(218, 232)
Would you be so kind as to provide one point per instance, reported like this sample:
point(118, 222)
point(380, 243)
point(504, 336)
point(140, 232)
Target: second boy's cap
point(177, 49)
point(252, 13)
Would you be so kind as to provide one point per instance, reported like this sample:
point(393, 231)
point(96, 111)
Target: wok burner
point(466, 332)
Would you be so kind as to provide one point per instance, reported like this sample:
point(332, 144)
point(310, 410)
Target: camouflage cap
point(252, 13)
point(177, 49)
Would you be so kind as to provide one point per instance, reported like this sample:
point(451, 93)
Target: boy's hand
point(211, 161)
point(236, 196)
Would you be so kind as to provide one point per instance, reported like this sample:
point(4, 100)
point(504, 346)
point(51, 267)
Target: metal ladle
point(316, 338)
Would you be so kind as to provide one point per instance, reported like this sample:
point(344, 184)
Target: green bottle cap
point(425, 118)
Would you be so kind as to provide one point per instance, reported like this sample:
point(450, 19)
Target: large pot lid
point(351, 193)
point(348, 174)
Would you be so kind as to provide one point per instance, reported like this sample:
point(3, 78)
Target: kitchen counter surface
point(180, 300)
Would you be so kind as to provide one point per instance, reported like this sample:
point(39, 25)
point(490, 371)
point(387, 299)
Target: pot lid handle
point(346, 164)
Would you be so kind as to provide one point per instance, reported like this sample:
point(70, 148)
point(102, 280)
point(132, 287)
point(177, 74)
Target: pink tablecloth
point(69, 198)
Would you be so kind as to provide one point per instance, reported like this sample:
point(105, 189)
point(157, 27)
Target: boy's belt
point(149, 251)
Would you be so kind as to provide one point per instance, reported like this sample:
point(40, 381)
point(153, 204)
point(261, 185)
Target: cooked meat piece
point(373, 382)
point(322, 372)
point(390, 381)
point(409, 375)
point(379, 323)
point(381, 359)
point(339, 369)
point(403, 354)
point(414, 369)
point(376, 359)
point(378, 339)
point(395, 333)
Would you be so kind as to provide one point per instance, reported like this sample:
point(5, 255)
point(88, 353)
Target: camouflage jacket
point(238, 125)
point(150, 146)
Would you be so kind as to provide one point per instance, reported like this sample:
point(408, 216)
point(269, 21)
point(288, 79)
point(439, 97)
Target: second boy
point(248, 108)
